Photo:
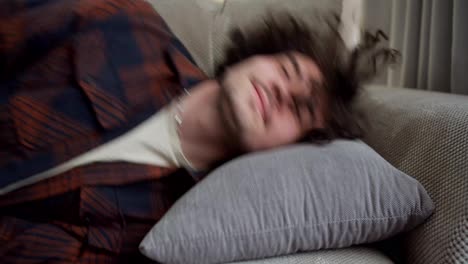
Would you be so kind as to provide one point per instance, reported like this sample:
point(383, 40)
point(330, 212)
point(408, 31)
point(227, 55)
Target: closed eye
point(296, 105)
point(295, 64)
point(285, 72)
point(303, 109)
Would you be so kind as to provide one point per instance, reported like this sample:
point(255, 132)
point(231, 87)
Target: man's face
point(273, 100)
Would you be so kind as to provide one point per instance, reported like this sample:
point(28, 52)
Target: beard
point(229, 117)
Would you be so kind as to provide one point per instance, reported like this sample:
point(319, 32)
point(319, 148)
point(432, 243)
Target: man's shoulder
point(119, 66)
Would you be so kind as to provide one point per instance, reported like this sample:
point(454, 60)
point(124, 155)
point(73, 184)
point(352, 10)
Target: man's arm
point(29, 29)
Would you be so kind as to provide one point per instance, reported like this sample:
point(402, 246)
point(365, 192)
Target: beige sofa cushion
point(425, 134)
point(352, 255)
point(203, 25)
point(192, 22)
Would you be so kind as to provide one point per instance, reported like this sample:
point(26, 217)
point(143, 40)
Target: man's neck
point(203, 136)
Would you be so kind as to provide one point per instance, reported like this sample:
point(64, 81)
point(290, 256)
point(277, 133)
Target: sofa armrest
point(425, 134)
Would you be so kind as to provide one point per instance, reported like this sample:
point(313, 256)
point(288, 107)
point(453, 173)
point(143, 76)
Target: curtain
point(432, 36)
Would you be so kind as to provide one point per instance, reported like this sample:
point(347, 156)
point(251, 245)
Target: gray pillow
point(297, 198)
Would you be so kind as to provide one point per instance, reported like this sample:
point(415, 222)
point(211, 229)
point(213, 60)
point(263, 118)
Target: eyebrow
point(294, 63)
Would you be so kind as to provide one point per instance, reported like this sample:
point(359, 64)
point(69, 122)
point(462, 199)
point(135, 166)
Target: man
point(105, 120)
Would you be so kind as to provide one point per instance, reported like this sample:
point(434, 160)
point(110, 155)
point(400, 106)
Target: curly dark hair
point(344, 70)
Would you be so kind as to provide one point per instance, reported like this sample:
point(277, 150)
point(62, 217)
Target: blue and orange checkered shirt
point(75, 74)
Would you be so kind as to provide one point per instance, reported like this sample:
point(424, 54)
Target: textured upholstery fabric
point(354, 255)
point(287, 200)
point(192, 21)
point(425, 134)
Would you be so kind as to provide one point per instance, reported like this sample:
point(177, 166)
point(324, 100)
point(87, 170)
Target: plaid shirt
point(75, 74)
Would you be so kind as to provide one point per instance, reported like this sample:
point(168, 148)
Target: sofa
point(424, 134)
